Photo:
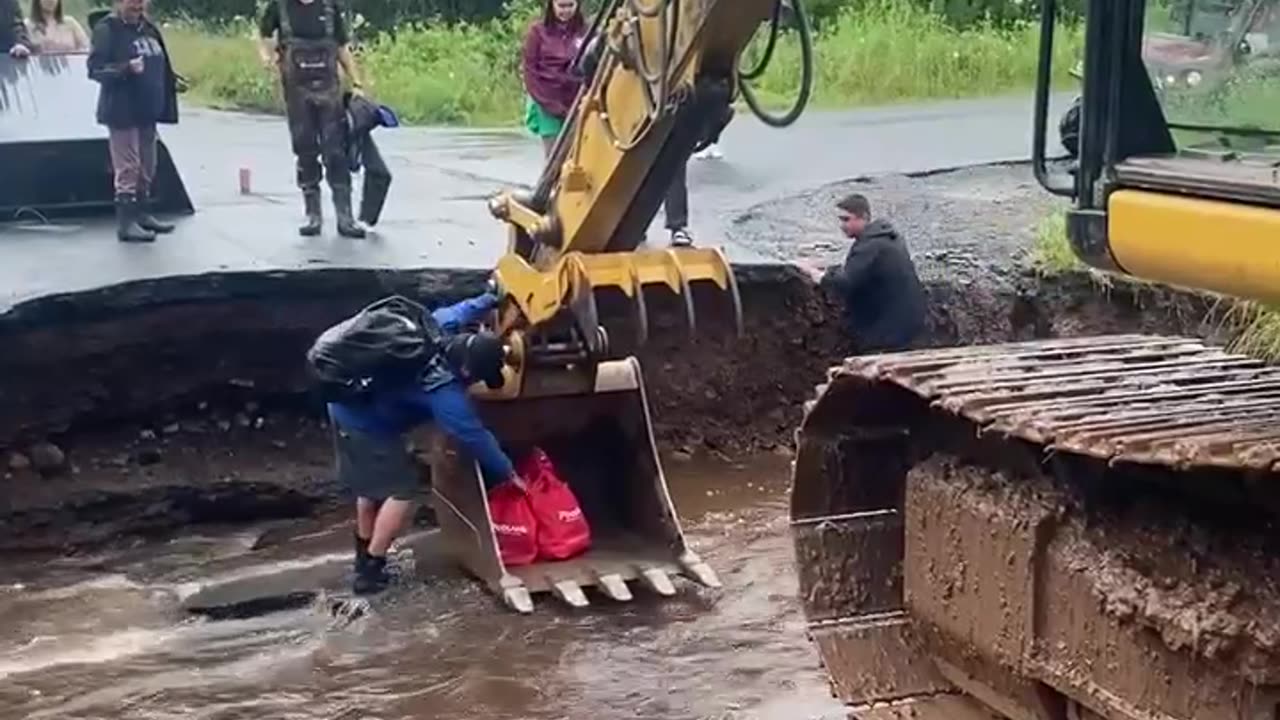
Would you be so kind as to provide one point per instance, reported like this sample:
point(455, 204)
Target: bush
point(888, 51)
point(468, 73)
point(378, 15)
point(389, 14)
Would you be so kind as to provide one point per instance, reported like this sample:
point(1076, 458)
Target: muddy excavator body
point(581, 292)
point(1067, 528)
point(56, 160)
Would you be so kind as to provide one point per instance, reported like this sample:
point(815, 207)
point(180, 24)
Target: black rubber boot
point(127, 229)
point(315, 216)
point(347, 226)
point(371, 576)
point(146, 220)
point(362, 551)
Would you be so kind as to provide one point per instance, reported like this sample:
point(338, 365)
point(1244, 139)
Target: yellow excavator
point(581, 292)
point(1072, 528)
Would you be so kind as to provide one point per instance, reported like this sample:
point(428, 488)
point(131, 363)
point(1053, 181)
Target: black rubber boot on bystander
point(127, 228)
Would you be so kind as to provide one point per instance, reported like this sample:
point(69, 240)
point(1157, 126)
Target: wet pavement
point(92, 636)
point(436, 215)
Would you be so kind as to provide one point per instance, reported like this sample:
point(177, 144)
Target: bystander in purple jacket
point(549, 50)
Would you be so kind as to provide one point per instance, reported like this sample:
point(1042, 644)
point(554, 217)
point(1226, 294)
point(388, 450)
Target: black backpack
point(385, 345)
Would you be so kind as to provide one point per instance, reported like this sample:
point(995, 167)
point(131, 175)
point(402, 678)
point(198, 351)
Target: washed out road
point(436, 215)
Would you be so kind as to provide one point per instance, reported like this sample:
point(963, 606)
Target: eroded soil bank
point(142, 409)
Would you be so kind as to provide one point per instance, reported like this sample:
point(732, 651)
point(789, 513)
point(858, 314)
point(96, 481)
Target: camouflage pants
point(317, 129)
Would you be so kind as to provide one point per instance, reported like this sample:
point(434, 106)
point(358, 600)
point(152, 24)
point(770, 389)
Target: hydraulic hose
point(775, 26)
point(806, 69)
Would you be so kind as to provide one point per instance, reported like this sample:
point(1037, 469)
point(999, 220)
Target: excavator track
point(1070, 528)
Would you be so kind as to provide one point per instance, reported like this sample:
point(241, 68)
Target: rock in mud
point(48, 458)
point(19, 462)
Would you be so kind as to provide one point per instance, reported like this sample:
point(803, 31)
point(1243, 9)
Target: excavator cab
point(56, 160)
point(1175, 175)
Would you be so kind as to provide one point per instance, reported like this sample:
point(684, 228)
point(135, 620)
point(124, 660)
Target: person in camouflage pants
point(306, 41)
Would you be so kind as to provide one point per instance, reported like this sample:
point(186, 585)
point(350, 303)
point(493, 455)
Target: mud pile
point(144, 407)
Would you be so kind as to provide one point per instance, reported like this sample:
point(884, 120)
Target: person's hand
point(136, 66)
point(19, 50)
point(494, 287)
point(357, 90)
point(814, 272)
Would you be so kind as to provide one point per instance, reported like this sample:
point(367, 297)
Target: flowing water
point(106, 637)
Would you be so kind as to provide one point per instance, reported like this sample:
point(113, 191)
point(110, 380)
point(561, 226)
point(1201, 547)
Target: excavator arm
point(661, 85)
point(576, 288)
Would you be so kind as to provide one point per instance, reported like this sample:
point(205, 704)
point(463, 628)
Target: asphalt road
point(436, 215)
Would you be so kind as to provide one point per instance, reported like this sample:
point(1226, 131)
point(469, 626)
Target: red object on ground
point(514, 525)
point(563, 531)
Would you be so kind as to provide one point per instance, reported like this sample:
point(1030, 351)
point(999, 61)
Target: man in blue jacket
point(369, 438)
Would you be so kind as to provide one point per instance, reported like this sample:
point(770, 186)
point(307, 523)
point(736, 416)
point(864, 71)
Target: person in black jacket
point(139, 89)
point(363, 116)
point(13, 32)
point(884, 300)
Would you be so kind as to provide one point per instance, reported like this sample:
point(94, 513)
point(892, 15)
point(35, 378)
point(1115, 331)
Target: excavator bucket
point(602, 445)
point(622, 293)
point(56, 160)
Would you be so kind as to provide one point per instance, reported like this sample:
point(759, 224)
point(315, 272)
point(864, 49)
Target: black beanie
point(482, 354)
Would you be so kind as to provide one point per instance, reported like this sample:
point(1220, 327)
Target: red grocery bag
point(563, 531)
point(514, 525)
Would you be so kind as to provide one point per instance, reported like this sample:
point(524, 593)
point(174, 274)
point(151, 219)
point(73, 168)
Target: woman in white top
point(51, 32)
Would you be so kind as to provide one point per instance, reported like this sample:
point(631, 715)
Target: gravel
point(962, 225)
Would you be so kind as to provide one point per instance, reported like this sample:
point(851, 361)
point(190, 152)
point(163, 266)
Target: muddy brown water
point(112, 641)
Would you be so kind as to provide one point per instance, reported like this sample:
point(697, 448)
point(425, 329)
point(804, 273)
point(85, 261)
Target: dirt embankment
point(143, 408)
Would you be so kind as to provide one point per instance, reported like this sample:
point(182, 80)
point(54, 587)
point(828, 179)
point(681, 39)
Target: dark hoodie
point(549, 49)
point(884, 301)
point(127, 100)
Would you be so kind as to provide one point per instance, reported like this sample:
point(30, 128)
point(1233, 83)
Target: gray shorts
point(374, 467)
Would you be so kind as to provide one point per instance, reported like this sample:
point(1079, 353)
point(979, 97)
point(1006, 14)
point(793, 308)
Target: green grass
point(1257, 330)
point(896, 51)
point(1051, 252)
point(469, 74)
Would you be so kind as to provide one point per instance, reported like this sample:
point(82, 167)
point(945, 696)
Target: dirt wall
point(142, 408)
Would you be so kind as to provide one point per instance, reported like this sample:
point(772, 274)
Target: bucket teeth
point(700, 571)
point(518, 599)
point(615, 587)
point(570, 592)
point(658, 581)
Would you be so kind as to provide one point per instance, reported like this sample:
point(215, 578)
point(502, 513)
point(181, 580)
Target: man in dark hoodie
point(13, 32)
point(884, 300)
point(139, 89)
